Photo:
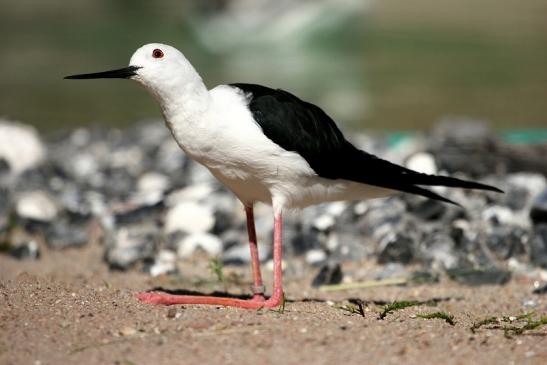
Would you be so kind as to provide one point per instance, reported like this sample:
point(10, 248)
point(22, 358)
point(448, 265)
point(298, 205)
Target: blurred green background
point(386, 64)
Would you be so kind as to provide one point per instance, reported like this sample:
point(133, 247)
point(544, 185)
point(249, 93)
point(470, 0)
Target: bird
point(268, 146)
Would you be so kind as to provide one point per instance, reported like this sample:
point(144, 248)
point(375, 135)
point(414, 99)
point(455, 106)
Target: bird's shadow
point(223, 294)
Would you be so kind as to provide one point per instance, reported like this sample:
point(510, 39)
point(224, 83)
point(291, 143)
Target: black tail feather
point(436, 180)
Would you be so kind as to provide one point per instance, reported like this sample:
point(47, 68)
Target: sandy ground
point(67, 308)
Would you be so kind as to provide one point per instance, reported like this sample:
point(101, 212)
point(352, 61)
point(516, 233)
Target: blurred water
point(371, 64)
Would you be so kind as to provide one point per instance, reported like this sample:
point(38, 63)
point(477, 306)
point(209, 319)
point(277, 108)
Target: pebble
point(538, 213)
point(26, 250)
point(240, 254)
point(538, 246)
point(209, 243)
point(189, 217)
point(20, 146)
point(423, 162)
point(324, 222)
point(316, 257)
point(127, 247)
point(329, 274)
point(156, 205)
point(397, 247)
point(153, 182)
point(164, 263)
point(37, 205)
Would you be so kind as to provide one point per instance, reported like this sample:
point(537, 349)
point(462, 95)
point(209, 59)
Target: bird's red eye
point(157, 53)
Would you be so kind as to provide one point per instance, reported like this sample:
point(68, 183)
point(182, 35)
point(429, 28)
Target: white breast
point(228, 141)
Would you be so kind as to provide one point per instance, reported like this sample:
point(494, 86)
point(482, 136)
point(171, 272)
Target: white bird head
point(159, 67)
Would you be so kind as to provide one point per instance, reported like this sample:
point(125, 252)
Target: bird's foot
point(258, 301)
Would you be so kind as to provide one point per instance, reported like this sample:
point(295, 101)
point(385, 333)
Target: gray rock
point(477, 277)
point(507, 241)
point(397, 247)
point(129, 245)
point(68, 231)
point(329, 274)
point(240, 254)
point(391, 270)
point(456, 141)
point(26, 250)
point(538, 246)
point(439, 250)
point(538, 213)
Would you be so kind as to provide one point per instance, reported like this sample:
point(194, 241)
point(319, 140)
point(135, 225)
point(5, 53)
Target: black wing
point(304, 128)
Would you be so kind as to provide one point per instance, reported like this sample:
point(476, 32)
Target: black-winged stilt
point(266, 146)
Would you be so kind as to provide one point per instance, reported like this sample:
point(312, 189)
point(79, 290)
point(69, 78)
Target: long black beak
point(121, 73)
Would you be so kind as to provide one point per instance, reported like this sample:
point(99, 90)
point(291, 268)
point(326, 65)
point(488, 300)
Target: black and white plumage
point(266, 146)
point(302, 127)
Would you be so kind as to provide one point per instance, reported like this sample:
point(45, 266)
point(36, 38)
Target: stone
point(538, 246)
point(153, 182)
point(240, 254)
point(26, 250)
point(36, 205)
point(477, 277)
point(20, 146)
point(189, 217)
point(391, 270)
point(538, 213)
point(455, 141)
point(324, 222)
point(507, 241)
point(329, 274)
point(68, 231)
point(397, 247)
point(498, 215)
point(129, 245)
point(209, 243)
point(316, 257)
point(164, 263)
point(422, 162)
point(439, 250)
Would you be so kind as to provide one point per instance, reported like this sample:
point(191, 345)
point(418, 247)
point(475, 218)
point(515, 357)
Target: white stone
point(205, 241)
point(315, 256)
point(189, 217)
point(502, 214)
point(165, 263)
point(20, 146)
point(422, 162)
point(323, 222)
point(152, 182)
point(191, 193)
point(37, 205)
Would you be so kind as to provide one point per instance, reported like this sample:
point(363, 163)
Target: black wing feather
point(305, 128)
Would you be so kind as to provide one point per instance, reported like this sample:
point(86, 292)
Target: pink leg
point(255, 303)
point(258, 285)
